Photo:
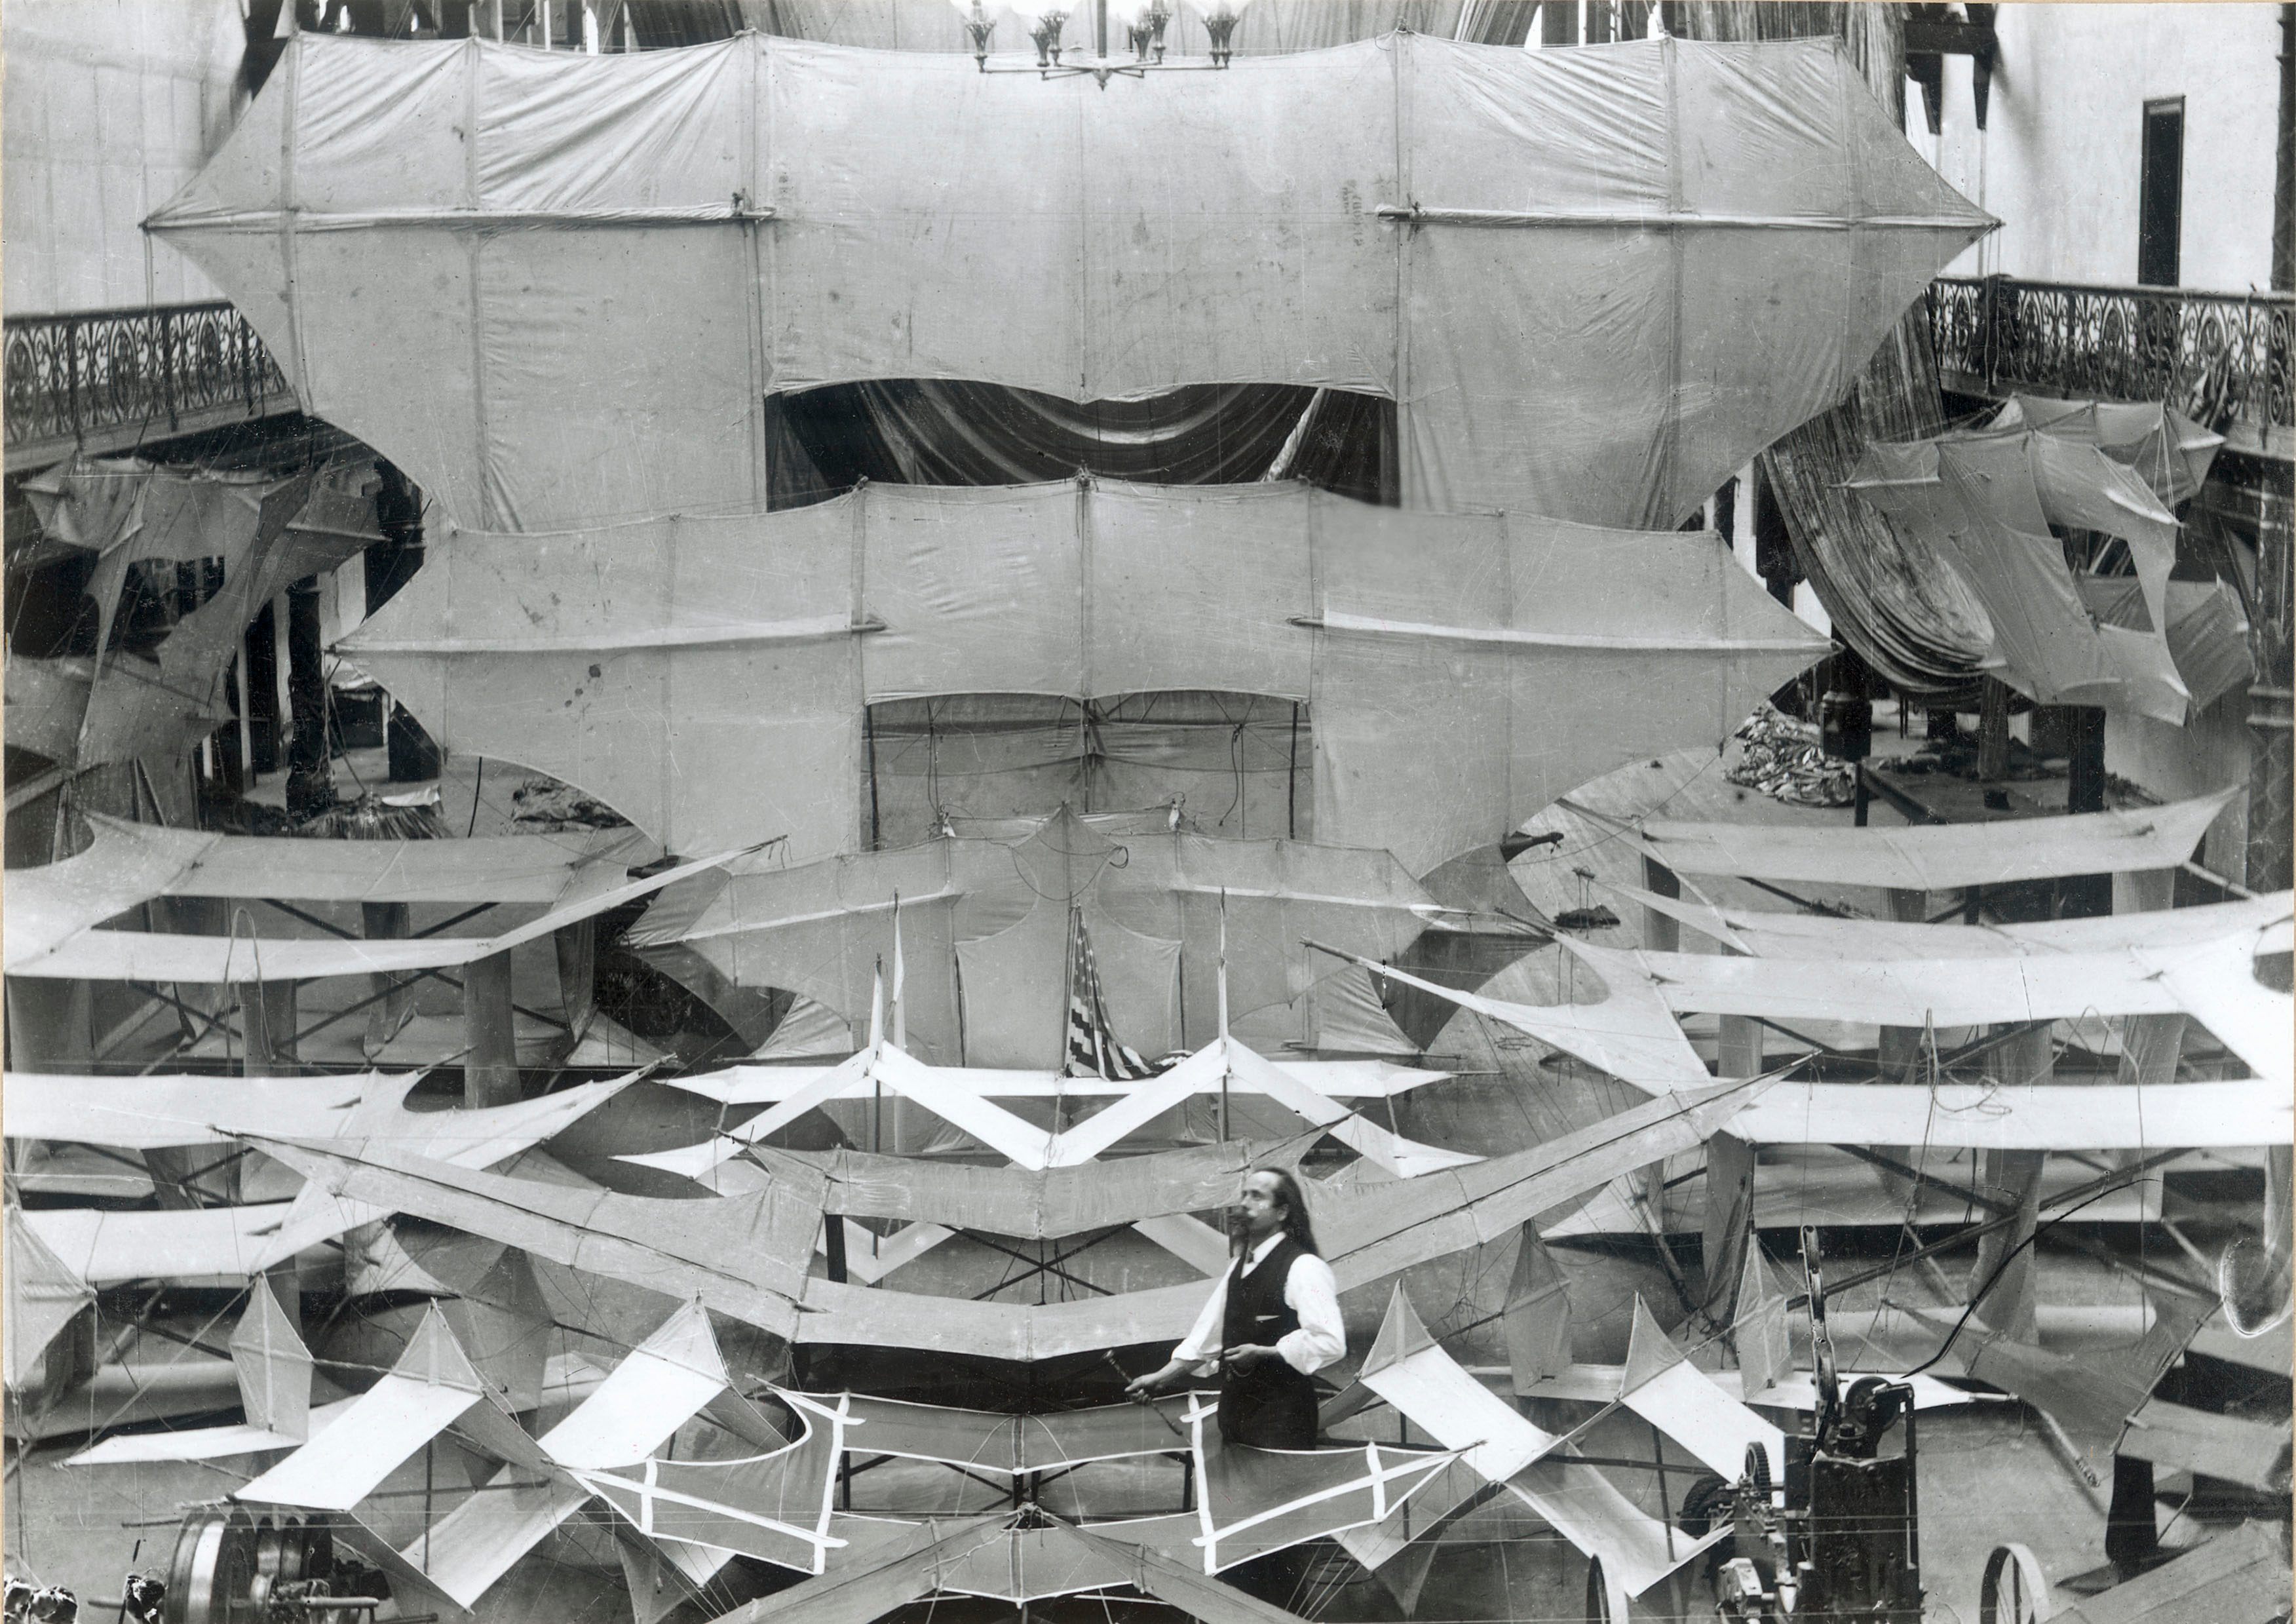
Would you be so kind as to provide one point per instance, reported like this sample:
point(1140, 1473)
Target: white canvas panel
point(1939, 856)
point(109, 1248)
point(200, 1443)
point(2046, 1116)
point(1783, 935)
point(384, 1426)
point(147, 1113)
point(860, 214)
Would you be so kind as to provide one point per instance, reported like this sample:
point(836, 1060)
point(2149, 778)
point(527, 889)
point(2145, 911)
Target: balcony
point(108, 380)
point(2220, 359)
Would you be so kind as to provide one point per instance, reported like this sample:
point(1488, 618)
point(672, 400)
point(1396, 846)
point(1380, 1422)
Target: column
point(2151, 1045)
point(259, 692)
point(266, 1026)
point(1728, 1222)
point(2013, 1177)
point(386, 922)
point(577, 946)
point(1899, 1059)
point(1662, 932)
point(50, 1025)
point(490, 1064)
point(1993, 743)
point(310, 779)
point(2271, 762)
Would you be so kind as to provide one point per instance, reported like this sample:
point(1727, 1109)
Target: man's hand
point(1142, 1389)
point(1252, 1356)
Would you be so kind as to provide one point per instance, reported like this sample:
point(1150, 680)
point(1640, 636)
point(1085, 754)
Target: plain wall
point(109, 107)
point(2060, 162)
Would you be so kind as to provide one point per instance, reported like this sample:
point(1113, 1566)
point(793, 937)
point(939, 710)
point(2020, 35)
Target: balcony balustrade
point(108, 380)
point(2221, 358)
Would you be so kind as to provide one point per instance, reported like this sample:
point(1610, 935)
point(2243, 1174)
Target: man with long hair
point(1271, 1322)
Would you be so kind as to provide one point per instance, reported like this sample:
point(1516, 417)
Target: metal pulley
point(234, 1566)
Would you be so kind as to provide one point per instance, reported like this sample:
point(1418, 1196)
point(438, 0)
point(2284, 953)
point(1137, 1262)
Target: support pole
point(2272, 644)
point(2085, 896)
point(2132, 1523)
point(1898, 1059)
point(266, 1023)
point(2085, 768)
point(2013, 1177)
point(394, 994)
point(1729, 1177)
point(1662, 932)
point(51, 1024)
point(231, 742)
point(390, 563)
point(259, 692)
point(490, 1063)
point(2151, 1045)
point(1993, 743)
point(1729, 1221)
point(310, 779)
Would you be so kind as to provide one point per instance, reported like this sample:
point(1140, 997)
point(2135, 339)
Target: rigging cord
point(1999, 1269)
point(1623, 826)
point(1914, 1194)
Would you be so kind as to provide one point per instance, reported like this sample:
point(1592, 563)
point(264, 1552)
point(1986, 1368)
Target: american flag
point(1093, 1050)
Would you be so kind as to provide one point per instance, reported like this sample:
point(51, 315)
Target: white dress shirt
point(1309, 1291)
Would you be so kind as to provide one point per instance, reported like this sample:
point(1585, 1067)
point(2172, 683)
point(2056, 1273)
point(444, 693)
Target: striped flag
point(1093, 1050)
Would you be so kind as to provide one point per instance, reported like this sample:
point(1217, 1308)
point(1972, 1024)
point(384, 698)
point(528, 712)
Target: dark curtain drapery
point(1890, 599)
point(1270, 27)
point(1902, 608)
point(925, 431)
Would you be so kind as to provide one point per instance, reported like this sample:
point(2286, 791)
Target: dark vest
point(1274, 1406)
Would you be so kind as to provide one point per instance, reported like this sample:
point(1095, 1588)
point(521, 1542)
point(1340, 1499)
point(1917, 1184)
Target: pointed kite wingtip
point(434, 1355)
point(1401, 1334)
point(1754, 1286)
point(1651, 1352)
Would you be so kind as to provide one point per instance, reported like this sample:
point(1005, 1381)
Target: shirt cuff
point(1298, 1349)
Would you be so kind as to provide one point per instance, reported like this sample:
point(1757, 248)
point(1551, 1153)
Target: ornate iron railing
point(2223, 359)
point(115, 376)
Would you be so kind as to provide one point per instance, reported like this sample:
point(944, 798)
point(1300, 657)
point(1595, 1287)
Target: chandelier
point(1144, 22)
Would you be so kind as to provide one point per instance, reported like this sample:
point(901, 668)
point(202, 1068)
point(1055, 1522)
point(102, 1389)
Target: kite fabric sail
point(779, 1506)
point(43, 1296)
point(747, 1256)
point(1631, 1032)
point(1427, 649)
point(266, 530)
point(157, 1111)
point(432, 1387)
point(1932, 856)
point(676, 1374)
point(126, 865)
point(235, 1243)
point(1632, 1029)
point(1813, 936)
point(1990, 501)
point(1714, 238)
point(954, 1094)
point(983, 912)
point(2214, 981)
point(2045, 1117)
point(1411, 1371)
point(274, 1367)
point(106, 1248)
point(159, 955)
